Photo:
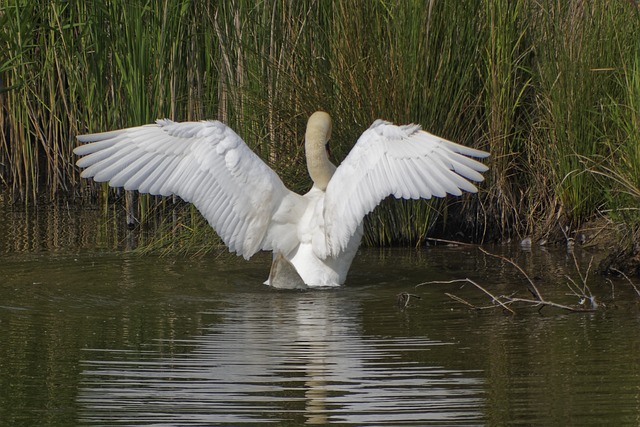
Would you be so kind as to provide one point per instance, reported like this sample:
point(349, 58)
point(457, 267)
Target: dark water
point(92, 335)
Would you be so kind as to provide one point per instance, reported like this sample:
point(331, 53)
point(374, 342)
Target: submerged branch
point(467, 280)
point(449, 242)
point(505, 302)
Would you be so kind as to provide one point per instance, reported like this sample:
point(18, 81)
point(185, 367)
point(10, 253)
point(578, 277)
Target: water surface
point(93, 335)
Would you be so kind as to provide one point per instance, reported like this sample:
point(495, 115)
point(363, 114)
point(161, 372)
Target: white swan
point(313, 237)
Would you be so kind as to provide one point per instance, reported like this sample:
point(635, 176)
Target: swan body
point(314, 237)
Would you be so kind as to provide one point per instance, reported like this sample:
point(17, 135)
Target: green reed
point(548, 87)
point(572, 73)
point(506, 87)
point(619, 168)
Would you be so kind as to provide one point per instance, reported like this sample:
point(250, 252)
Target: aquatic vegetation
point(549, 88)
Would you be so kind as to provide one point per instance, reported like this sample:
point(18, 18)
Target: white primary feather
point(315, 235)
point(403, 161)
point(205, 163)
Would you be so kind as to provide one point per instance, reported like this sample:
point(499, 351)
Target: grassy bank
point(551, 89)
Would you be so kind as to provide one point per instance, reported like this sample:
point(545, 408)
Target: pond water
point(95, 335)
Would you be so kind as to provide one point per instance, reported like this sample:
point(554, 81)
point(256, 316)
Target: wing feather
point(403, 161)
point(161, 174)
point(205, 163)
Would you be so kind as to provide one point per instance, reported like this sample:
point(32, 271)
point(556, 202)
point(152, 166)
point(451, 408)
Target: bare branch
point(462, 301)
point(551, 304)
point(581, 291)
point(452, 242)
point(467, 280)
point(534, 290)
point(402, 299)
point(635, 287)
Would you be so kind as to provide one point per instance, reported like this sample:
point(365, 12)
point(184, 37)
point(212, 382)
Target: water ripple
point(296, 360)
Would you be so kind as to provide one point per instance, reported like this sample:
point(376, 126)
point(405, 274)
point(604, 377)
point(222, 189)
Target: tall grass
point(546, 86)
point(574, 87)
point(619, 168)
point(505, 121)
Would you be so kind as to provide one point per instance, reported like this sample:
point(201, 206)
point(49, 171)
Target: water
point(92, 335)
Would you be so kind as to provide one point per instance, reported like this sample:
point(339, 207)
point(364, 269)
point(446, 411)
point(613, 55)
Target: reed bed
point(550, 88)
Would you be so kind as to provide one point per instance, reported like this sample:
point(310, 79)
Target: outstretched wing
point(205, 163)
point(403, 161)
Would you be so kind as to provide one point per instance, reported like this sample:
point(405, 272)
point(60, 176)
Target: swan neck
point(318, 164)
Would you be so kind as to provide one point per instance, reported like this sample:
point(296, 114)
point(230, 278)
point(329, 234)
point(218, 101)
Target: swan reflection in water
point(292, 357)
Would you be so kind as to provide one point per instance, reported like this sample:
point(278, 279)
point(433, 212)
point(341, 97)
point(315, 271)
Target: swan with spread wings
point(314, 237)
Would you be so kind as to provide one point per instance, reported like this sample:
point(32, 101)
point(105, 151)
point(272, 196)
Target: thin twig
point(635, 287)
point(574, 290)
point(452, 242)
point(462, 301)
point(536, 293)
point(467, 303)
point(586, 275)
point(403, 298)
point(551, 304)
point(584, 290)
point(467, 280)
